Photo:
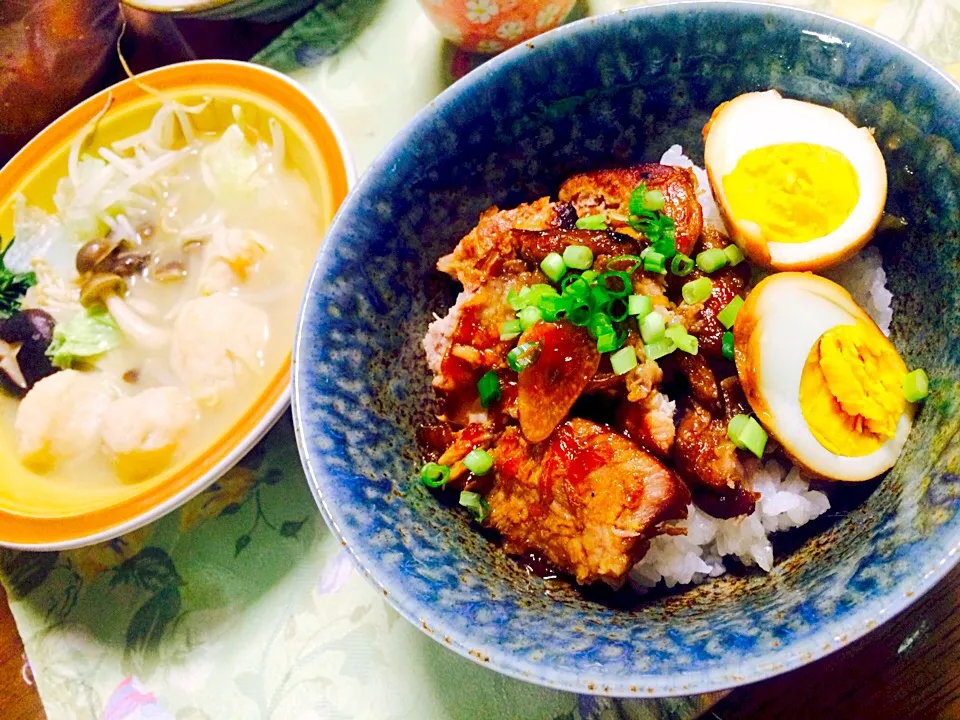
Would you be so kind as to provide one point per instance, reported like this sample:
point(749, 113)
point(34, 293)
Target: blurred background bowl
point(264, 11)
point(489, 26)
point(606, 92)
point(38, 514)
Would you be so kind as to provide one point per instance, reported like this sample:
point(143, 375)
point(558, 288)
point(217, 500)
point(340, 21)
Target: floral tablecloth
point(241, 604)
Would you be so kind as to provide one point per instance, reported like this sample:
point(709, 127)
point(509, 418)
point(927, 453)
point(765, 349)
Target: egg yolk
point(851, 390)
point(795, 192)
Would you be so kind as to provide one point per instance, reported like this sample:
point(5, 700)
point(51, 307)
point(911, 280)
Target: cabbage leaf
point(84, 336)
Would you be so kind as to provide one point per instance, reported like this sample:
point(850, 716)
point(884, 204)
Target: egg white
point(761, 119)
point(789, 313)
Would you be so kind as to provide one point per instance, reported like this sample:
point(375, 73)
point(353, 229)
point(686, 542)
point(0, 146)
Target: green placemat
point(241, 604)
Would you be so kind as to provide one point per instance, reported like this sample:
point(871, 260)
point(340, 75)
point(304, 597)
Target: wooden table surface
point(907, 669)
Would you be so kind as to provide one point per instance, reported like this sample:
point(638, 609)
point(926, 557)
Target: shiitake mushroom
point(24, 339)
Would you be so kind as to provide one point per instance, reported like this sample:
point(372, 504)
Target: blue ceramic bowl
point(602, 92)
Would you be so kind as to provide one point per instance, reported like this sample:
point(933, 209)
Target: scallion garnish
point(615, 263)
point(747, 434)
point(580, 313)
point(623, 360)
point(575, 286)
point(653, 200)
point(652, 327)
point(434, 476)
point(734, 255)
point(529, 317)
point(639, 305)
point(477, 505)
point(554, 308)
point(523, 356)
point(655, 262)
point(916, 385)
point(478, 461)
point(688, 344)
point(660, 348)
point(489, 388)
point(510, 330)
point(617, 309)
point(711, 260)
point(608, 342)
point(578, 257)
point(728, 315)
point(726, 345)
point(681, 265)
point(616, 283)
point(589, 275)
point(696, 291)
point(591, 222)
point(553, 266)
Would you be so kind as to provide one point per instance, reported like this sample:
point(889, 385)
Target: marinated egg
point(821, 377)
point(799, 186)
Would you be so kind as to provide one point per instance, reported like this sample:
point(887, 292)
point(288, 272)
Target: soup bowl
point(41, 513)
point(605, 92)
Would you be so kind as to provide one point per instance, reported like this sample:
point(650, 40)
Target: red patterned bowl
point(490, 26)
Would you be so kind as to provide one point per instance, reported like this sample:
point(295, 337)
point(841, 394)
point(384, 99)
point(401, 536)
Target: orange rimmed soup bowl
point(47, 511)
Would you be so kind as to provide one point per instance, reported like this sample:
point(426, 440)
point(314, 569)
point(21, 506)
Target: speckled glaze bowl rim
point(832, 636)
point(269, 407)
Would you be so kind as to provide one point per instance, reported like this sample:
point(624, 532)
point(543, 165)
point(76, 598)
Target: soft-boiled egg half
point(821, 377)
point(799, 185)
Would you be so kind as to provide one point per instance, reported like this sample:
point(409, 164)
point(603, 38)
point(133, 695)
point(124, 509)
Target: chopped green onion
point(726, 346)
point(735, 427)
point(592, 222)
point(513, 300)
point(523, 356)
point(433, 475)
point(656, 350)
point(747, 434)
point(681, 265)
point(711, 260)
point(580, 313)
point(589, 275)
point(599, 296)
point(639, 305)
point(696, 291)
point(734, 255)
point(489, 388)
point(655, 262)
point(623, 360)
point(728, 315)
point(653, 200)
point(475, 504)
point(537, 292)
point(575, 286)
point(554, 308)
point(553, 266)
point(608, 342)
point(529, 317)
point(646, 251)
point(600, 324)
point(510, 330)
point(916, 385)
point(634, 260)
point(675, 332)
point(652, 327)
point(617, 309)
point(688, 343)
point(578, 257)
point(478, 461)
point(638, 200)
point(621, 285)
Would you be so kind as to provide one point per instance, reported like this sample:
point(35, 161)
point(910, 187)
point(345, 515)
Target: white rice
point(786, 500)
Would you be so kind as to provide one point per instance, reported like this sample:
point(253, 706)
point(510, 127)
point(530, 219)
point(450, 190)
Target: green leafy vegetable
point(83, 336)
point(13, 286)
